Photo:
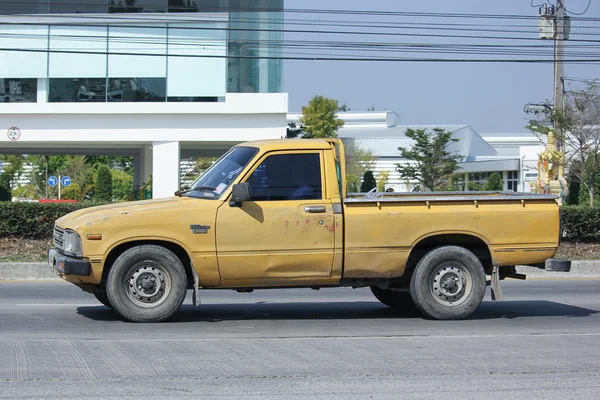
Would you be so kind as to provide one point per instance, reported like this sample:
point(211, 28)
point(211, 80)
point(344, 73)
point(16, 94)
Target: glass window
point(137, 6)
point(513, 181)
point(178, 6)
point(195, 99)
point(137, 89)
point(24, 51)
point(18, 90)
point(63, 90)
point(80, 52)
point(197, 60)
point(287, 177)
point(24, 7)
point(222, 173)
point(149, 42)
point(256, 31)
point(77, 6)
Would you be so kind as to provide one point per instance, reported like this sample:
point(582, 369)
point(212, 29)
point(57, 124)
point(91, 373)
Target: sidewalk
point(41, 271)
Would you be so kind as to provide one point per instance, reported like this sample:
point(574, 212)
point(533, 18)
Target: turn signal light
point(94, 237)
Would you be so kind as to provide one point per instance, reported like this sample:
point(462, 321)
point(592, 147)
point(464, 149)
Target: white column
point(165, 169)
point(42, 90)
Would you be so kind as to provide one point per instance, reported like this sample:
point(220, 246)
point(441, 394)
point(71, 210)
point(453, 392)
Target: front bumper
point(64, 265)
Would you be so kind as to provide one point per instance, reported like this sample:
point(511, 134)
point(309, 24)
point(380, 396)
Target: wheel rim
point(148, 284)
point(450, 284)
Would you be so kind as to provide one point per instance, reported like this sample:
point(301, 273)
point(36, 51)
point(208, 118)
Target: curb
point(27, 272)
point(41, 271)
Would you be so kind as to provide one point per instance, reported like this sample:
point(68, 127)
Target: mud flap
point(495, 284)
point(195, 295)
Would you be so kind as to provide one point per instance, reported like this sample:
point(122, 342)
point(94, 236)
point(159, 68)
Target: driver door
point(286, 231)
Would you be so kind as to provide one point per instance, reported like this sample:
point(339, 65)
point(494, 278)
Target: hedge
point(580, 224)
point(34, 220)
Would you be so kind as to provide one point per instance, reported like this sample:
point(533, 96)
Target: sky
point(488, 97)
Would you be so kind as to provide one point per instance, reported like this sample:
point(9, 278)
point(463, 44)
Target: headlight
point(72, 244)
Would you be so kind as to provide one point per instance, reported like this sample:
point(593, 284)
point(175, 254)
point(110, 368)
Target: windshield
point(222, 173)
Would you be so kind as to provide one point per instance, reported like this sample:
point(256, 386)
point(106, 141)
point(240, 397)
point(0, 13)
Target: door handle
point(314, 209)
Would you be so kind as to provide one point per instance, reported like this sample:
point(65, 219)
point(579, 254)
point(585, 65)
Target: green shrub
point(368, 183)
point(580, 224)
point(103, 189)
point(494, 183)
point(34, 220)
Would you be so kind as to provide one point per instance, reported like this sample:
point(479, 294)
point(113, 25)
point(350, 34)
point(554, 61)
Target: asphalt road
point(541, 342)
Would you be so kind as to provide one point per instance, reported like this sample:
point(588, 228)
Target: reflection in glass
point(174, 99)
point(18, 90)
point(137, 89)
point(255, 33)
point(76, 6)
point(137, 6)
point(63, 90)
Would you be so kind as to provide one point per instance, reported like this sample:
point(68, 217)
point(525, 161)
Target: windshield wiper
point(180, 193)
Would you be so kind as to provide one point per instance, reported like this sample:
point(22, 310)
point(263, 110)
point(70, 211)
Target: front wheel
point(147, 283)
point(448, 283)
point(392, 298)
point(102, 297)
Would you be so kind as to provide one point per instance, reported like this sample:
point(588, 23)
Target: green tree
point(122, 185)
point(474, 187)
point(358, 161)
point(320, 118)
point(5, 192)
point(103, 189)
point(578, 133)
point(294, 130)
point(430, 162)
point(368, 182)
point(12, 168)
point(494, 183)
point(382, 180)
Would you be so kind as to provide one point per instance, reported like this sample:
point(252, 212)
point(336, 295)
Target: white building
point(513, 155)
point(154, 79)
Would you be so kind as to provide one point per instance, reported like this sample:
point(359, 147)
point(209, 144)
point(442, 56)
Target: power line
point(365, 59)
point(586, 9)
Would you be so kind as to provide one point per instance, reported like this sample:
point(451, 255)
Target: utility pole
point(559, 71)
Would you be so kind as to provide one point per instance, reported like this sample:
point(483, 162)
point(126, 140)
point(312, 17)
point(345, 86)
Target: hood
point(100, 215)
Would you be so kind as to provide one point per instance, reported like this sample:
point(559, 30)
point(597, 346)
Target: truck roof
point(289, 144)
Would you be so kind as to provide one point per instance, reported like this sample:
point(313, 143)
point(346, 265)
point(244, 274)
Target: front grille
point(58, 238)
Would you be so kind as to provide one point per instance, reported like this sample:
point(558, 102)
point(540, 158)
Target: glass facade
point(150, 61)
point(18, 90)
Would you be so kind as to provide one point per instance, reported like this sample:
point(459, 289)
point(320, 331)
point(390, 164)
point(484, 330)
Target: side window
point(287, 177)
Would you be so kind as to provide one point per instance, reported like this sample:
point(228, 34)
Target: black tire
point(394, 299)
point(160, 277)
point(102, 297)
point(448, 283)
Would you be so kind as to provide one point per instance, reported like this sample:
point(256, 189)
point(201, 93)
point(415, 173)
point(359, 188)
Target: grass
point(27, 250)
point(24, 250)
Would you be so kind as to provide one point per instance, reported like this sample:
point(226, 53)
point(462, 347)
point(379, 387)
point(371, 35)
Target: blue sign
point(53, 181)
point(66, 180)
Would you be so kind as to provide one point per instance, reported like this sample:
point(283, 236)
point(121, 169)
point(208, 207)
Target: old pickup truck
point(275, 214)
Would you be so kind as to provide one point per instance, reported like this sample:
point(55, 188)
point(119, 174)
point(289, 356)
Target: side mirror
point(241, 192)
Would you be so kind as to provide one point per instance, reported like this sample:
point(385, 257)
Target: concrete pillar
point(142, 166)
point(42, 90)
point(165, 169)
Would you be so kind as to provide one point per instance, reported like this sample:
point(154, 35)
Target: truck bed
point(382, 230)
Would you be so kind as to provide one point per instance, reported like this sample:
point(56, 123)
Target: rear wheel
point(448, 283)
point(393, 298)
point(147, 284)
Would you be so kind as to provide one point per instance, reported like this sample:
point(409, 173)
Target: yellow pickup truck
point(272, 214)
